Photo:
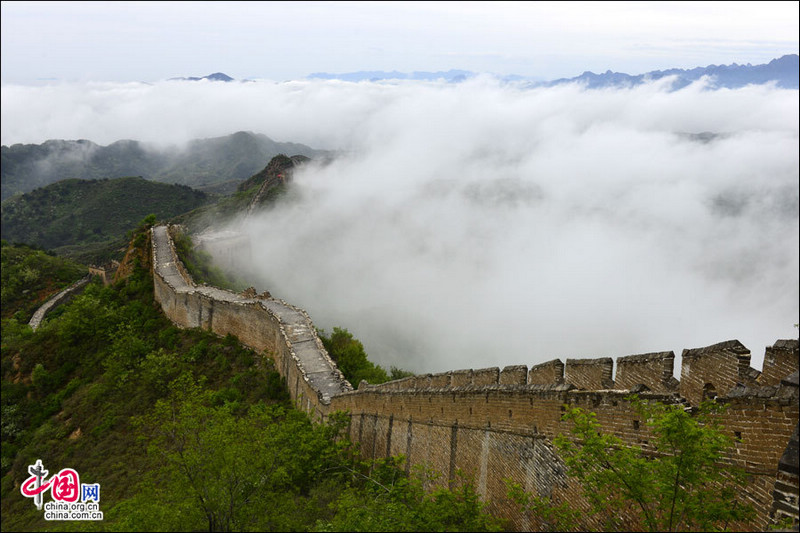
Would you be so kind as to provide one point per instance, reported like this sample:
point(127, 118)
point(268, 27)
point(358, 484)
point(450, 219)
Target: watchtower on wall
point(105, 271)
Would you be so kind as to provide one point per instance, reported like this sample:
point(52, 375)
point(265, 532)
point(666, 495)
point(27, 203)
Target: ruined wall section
point(762, 421)
point(494, 432)
point(787, 484)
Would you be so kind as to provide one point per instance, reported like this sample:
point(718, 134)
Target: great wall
point(495, 424)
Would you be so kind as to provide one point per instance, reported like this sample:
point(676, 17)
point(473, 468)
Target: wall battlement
point(496, 424)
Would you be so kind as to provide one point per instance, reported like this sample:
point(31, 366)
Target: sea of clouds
point(485, 224)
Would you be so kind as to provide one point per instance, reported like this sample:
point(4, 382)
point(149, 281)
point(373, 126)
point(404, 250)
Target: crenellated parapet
point(724, 365)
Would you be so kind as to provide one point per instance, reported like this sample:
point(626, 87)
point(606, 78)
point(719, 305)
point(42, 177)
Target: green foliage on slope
point(351, 358)
point(79, 217)
point(30, 276)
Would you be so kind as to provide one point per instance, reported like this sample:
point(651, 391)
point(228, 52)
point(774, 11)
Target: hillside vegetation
point(31, 276)
point(88, 219)
point(217, 164)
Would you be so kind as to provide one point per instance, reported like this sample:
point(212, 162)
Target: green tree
point(223, 472)
point(385, 498)
point(350, 357)
point(682, 483)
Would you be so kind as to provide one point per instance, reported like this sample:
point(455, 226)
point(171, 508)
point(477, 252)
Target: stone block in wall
point(514, 375)
point(590, 374)
point(549, 373)
point(461, 378)
point(655, 370)
point(486, 376)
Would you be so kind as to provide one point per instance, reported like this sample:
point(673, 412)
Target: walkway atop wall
point(58, 299)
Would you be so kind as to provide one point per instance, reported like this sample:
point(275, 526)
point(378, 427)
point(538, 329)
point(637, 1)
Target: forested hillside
point(88, 219)
point(217, 164)
point(30, 276)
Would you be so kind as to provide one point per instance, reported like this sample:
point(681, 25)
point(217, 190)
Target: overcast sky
point(150, 41)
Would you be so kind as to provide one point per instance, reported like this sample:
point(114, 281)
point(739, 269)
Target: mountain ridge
point(81, 218)
point(215, 164)
point(784, 70)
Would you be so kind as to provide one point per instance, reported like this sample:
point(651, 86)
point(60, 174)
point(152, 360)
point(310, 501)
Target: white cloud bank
point(478, 224)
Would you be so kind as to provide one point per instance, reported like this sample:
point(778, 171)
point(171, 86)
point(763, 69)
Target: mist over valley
point(485, 223)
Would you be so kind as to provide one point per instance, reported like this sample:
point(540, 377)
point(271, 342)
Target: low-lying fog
point(481, 224)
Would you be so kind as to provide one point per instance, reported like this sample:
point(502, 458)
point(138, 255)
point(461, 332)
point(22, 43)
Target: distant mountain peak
point(784, 71)
point(217, 76)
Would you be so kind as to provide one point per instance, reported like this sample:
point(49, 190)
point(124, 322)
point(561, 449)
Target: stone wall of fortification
point(494, 424)
point(268, 326)
point(62, 297)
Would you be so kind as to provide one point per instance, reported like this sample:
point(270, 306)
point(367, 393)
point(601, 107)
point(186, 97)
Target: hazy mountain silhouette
point(217, 76)
point(784, 71)
point(217, 164)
